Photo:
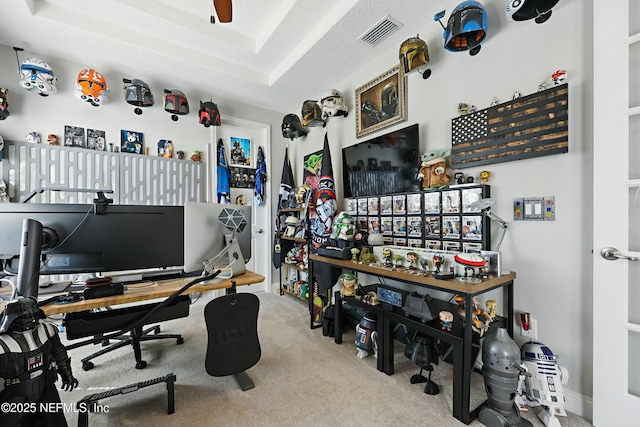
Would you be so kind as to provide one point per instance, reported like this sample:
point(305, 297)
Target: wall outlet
point(532, 333)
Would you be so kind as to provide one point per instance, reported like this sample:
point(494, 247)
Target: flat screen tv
point(385, 164)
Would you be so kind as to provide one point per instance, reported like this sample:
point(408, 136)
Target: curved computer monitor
point(206, 225)
point(76, 239)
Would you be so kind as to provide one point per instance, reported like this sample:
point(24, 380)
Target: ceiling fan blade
point(223, 10)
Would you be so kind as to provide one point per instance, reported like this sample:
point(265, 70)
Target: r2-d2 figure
point(541, 384)
point(366, 336)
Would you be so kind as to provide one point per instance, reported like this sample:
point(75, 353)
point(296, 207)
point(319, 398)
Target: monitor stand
point(236, 265)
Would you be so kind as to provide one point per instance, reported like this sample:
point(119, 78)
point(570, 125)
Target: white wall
point(31, 112)
point(552, 260)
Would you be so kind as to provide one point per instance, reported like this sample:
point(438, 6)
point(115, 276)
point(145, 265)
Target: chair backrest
point(232, 334)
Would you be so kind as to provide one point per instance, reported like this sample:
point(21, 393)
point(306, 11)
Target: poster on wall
point(240, 151)
point(131, 142)
point(96, 139)
point(73, 136)
point(242, 177)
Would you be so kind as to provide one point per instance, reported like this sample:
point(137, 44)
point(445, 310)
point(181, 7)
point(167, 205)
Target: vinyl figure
point(349, 284)
point(446, 320)
point(433, 169)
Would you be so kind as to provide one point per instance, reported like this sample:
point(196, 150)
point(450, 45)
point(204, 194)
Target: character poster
point(325, 201)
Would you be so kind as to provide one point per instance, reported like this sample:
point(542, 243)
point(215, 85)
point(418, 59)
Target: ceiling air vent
point(380, 31)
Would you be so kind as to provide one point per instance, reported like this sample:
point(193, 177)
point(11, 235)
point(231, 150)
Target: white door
point(616, 282)
point(259, 135)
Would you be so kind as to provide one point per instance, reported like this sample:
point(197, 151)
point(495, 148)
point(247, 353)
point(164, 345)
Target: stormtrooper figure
point(31, 357)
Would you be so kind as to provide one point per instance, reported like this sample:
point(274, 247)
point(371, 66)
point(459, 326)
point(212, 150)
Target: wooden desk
point(144, 291)
point(462, 346)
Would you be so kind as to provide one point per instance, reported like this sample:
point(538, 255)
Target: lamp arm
point(503, 225)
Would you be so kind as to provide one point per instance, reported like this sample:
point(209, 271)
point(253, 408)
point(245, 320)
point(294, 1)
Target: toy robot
point(31, 357)
point(541, 384)
point(501, 369)
point(366, 336)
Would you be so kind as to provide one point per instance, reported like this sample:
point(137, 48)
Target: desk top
point(151, 290)
point(452, 285)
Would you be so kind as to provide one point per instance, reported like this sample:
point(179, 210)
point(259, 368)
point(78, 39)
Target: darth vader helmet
point(414, 54)
point(91, 86)
point(333, 104)
point(37, 76)
point(21, 314)
point(311, 114)
point(292, 128)
point(522, 10)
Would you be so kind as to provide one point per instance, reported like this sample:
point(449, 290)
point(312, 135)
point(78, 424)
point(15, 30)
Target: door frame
point(613, 404)
point(262, 263)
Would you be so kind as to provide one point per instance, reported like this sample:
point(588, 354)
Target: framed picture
point(381, 102)
point(242, 177)
point(131, 142)
point(240, 151)
point(73, 136)
point(96, 139)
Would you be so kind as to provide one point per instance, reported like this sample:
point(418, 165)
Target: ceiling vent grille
point(380, 31)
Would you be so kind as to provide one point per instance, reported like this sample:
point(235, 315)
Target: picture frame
point(372, 113)
point(73, 136)
point(239, 151)
point(131, 142)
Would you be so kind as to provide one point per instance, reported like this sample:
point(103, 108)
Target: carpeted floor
point(302, 379)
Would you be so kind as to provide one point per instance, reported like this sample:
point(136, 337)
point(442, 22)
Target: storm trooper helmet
point(333, 104)
point(37, 76)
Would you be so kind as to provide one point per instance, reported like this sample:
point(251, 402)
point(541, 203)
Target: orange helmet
point(91, 86)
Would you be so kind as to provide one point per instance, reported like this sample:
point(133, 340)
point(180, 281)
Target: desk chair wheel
point(141, 364)
point(180, 341)
point(87, 366)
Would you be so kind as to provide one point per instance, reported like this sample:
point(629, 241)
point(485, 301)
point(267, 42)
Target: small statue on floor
point(31, 358)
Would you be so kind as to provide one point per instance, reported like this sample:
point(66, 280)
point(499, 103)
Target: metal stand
point(90, 403)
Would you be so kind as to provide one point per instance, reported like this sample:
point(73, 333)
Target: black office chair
point(129, 320)
point(232, 336)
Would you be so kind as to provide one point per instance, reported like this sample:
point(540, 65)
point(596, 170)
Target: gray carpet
point(302, 379)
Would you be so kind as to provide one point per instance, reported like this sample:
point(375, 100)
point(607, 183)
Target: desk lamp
point(422, 351)
point(234, 221)
point(484, 206)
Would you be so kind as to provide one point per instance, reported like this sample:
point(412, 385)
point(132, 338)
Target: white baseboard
point(578, 404)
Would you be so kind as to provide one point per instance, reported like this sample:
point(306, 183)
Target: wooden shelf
point(294, 239)
point(294, 266)
point(285, 291)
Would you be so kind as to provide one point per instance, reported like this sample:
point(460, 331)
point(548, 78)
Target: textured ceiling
point(275, 53)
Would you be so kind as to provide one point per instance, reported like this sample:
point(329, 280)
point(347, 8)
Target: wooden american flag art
point(530, 126)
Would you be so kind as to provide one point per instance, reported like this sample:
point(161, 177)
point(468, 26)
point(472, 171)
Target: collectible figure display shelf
point(439, 219)
point(295, 261)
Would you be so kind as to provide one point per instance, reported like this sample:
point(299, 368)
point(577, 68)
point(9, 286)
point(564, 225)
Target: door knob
point(613, 254)
point(261, 231)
